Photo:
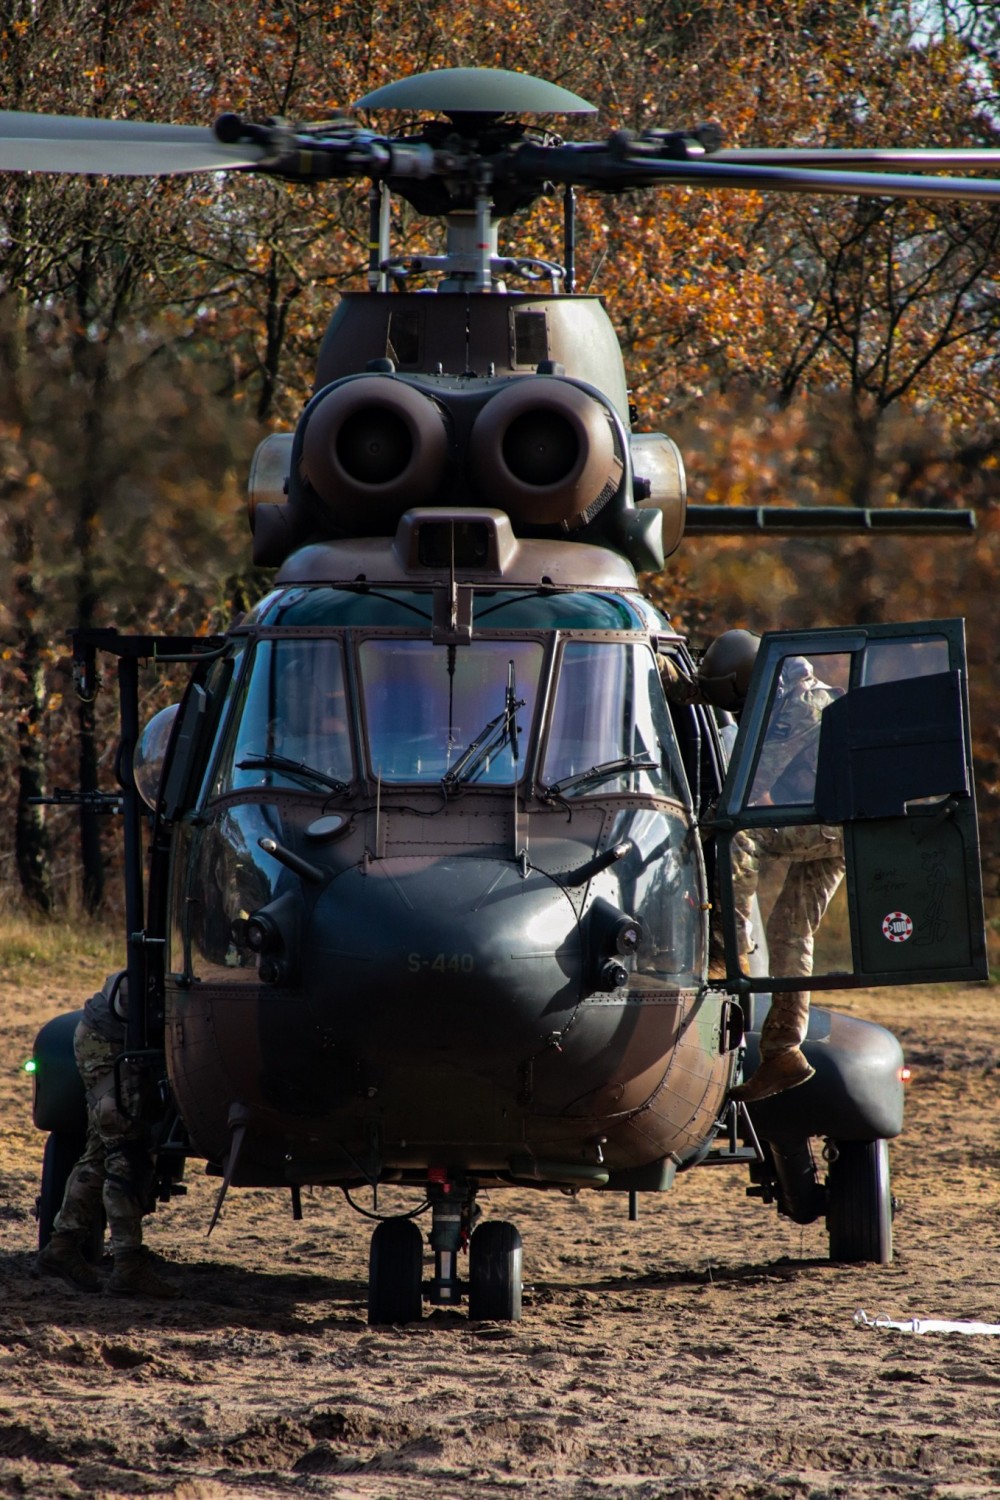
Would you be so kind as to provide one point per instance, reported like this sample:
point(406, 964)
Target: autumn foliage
point(802, 349)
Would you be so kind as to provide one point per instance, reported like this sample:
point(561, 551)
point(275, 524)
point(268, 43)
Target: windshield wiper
point(603, 771)
point(272, 762)
point(493, 737)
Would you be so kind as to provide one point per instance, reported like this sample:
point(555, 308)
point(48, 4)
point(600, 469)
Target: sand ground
point(709, 1350)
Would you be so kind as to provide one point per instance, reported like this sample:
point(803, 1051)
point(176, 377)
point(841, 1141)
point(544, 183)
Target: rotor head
point(480, 92)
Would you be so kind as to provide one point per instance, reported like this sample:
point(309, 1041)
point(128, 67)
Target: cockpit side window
point(610, 730)
point(220, 685)
point(292, 719)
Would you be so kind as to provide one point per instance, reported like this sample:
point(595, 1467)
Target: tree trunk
point(90, 364)
point(31, 841)
point(864, 430)
point(91, 851)
point(26, 683)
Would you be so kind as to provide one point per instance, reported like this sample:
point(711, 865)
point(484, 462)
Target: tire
point(859, 1208)
point(62, 1152)
point(495, 1273)
point(395, 1273)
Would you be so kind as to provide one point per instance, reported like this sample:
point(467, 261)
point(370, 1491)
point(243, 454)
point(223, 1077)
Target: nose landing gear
point(395, 1262)
point(451, 1225)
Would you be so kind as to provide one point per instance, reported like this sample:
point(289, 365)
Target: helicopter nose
point(463, 957)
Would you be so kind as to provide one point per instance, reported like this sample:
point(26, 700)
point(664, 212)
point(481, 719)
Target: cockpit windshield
point(453, 715)
point(610, 729)
point(426, 706)
point(293, 723)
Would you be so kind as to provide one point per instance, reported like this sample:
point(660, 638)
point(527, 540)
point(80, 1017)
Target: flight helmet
point(726, 668)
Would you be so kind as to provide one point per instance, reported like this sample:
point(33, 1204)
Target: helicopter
point(421, 874)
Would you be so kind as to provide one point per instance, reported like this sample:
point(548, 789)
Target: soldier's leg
point(809, 887)
point(63, 1255)
point(127, 1185)
point(82, 1197)
point(807, 890)
point(127, 1173)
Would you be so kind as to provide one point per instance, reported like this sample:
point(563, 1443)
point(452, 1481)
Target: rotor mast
point(479, 105)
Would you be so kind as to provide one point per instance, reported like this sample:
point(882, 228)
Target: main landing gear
point(856, 1198)
point(395, 1262)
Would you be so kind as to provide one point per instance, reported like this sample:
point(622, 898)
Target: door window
point(785, 773)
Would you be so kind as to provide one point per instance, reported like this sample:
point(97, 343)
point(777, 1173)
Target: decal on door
point(897, 927)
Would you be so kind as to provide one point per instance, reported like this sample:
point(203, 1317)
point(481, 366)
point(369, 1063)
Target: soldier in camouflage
point(785, 774)
point(116, 1168)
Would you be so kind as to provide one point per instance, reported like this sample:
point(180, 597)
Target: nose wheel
point(395, 1273)
point(395, 1262)
point(495, 1273)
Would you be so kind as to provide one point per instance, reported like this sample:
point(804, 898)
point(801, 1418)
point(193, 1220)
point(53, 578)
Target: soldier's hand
point(678, 687)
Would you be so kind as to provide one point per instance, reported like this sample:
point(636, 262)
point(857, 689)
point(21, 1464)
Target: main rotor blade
point(114, 148)
point(896, 158)
point(65, 143)
point(613, 169)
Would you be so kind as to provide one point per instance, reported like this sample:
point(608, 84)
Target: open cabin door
point(889, 763)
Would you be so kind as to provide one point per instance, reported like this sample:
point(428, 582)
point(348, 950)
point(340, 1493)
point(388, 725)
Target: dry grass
point(62, 946)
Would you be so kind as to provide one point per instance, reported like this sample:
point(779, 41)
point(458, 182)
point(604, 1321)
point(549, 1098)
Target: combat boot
point(785, 1070)
point(135, 1275)
point(63, 1257)
point(783, 1064)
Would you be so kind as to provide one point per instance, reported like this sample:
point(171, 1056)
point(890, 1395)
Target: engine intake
point(544, 451)
point(374, 447)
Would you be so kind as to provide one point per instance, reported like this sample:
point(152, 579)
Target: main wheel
point(395, 1273)
point(62, 1152)
point(859, 1208)
point(495, 1273)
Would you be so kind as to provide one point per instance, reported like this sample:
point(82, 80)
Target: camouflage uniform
point(815, 870)
point(785, 775)
point(116, 1167)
